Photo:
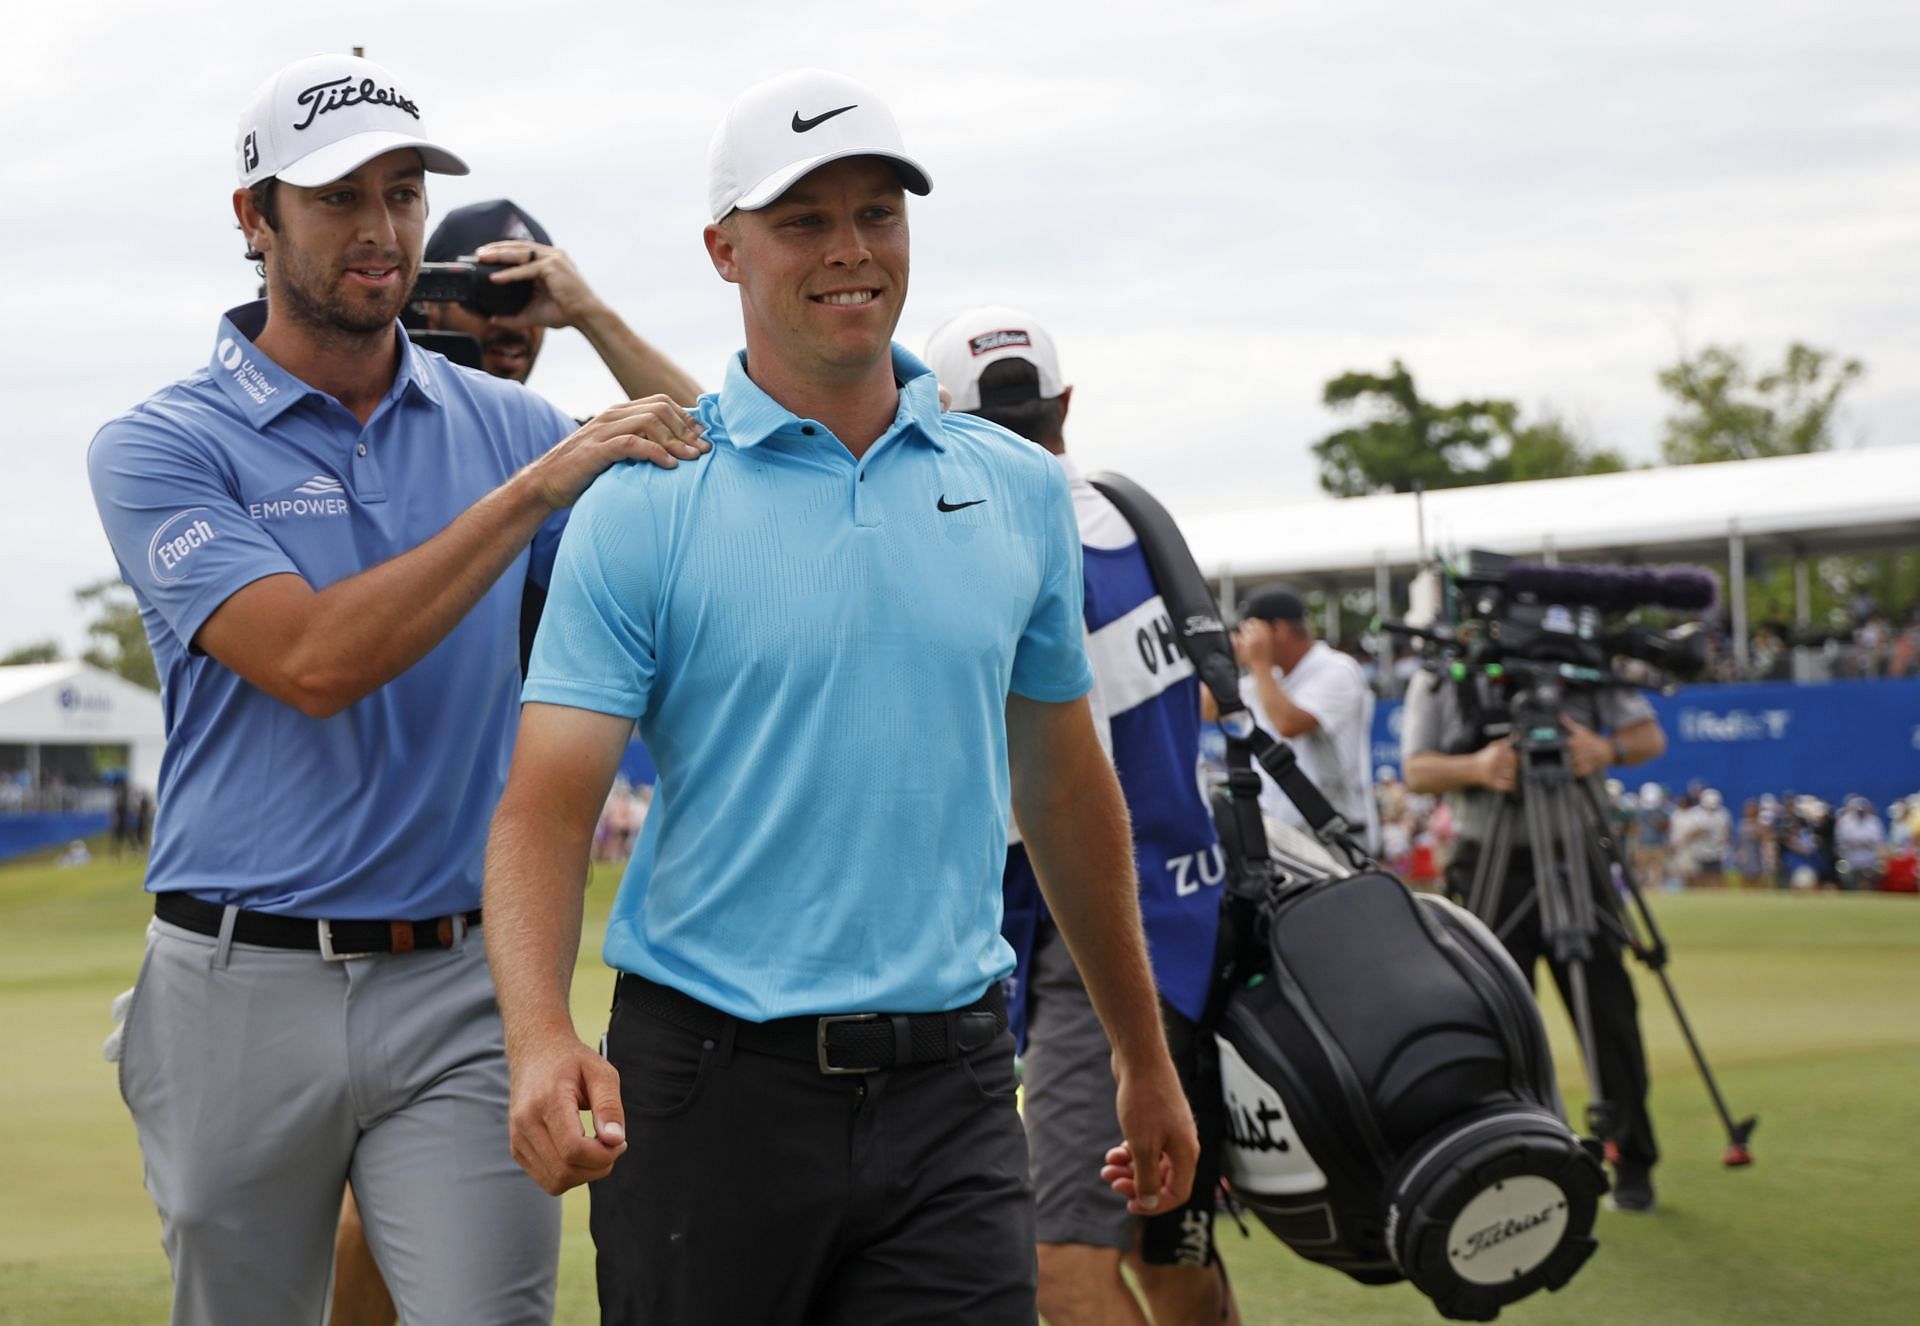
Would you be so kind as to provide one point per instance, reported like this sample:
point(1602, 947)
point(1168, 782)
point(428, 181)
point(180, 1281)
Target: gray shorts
point(1069, 1106)
point(262, 1080)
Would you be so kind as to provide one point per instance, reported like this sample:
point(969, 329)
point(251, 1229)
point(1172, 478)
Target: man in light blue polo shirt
point(327, 530)
point(850, 637)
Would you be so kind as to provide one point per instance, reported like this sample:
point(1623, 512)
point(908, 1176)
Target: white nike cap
point(326, 116)
point(778, 130)
point(960, 349)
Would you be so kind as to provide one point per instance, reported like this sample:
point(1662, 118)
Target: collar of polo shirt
point(752, 416)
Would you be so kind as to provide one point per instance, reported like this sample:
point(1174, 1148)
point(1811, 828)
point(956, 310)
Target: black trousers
point(756, 1189)
point(1616, 1011)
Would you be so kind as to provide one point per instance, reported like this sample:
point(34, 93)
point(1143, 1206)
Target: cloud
point(1215, 207)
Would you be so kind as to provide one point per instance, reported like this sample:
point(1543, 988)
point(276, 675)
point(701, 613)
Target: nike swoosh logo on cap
point(800, 126)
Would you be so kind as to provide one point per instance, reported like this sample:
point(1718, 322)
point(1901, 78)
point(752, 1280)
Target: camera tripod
point(1580, 875)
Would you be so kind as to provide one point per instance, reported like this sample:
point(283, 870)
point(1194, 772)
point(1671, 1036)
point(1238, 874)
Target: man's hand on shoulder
point(554, 1079)
point(654, 430)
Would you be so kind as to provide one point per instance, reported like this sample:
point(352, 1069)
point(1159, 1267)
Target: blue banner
point(20, 834)
point(1826, 739)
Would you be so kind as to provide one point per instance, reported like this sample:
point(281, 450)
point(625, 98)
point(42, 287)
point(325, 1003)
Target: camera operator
point(498, 232)
point(1611, 726)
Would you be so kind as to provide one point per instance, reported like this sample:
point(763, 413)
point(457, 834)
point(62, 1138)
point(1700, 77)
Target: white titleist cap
point(778, 130)
point(326, 116)
point(961, 348)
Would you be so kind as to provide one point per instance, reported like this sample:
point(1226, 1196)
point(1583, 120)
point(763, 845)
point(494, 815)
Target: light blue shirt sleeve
point(183, 540)
point(595, 648)
point(1050, 663)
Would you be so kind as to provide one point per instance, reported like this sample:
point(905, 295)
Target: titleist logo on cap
point(988, 342)
point(339, 93)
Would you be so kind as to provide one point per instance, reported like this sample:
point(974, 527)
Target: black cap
point(1274, 603)
point(465, 229)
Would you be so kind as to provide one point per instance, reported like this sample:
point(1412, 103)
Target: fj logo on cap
point(998, 340)
point(339, 93)
point(250, 152)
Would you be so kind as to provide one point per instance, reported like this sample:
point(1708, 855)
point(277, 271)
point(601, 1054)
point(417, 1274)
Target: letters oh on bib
point(1391, 1104)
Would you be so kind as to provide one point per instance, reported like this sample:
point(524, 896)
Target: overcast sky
point(1214, 207)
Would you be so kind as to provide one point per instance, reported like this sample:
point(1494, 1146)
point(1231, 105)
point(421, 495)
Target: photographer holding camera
point(1611, 725)
point(498, 233)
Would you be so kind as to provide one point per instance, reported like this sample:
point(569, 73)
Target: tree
point(1550, 449)
point(1728, 411)
point(121, 638)
point(1409, 440)
point(41, 651)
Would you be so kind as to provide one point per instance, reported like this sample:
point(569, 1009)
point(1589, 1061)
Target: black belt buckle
point(820, 1037)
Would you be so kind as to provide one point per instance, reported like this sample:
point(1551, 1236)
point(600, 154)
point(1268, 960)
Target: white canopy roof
point(1833, 500)
point(77, 704)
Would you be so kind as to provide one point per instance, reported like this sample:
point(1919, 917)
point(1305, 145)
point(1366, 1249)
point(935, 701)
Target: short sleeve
point(595, 647)
point(1622, 706)
point(1422, 721)
point(1050, 662)
point(547, 425)
point(182, 537)
point(1331, 693)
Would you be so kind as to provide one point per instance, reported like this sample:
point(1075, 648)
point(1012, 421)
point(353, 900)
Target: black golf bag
point(1390, 1096)
point(1391, 1101)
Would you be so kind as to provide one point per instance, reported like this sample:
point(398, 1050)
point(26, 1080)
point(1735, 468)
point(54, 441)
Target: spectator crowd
point(1693, 839)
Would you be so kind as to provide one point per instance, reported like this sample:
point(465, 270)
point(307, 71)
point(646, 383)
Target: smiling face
point(345, 254)
point(822, 272)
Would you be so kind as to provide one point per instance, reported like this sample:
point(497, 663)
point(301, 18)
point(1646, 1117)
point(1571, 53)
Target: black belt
point(838, 1043)
point(333, 940)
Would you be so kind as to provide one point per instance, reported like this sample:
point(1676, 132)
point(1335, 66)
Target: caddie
point(327, 530)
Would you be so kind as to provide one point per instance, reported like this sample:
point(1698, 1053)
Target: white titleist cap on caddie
point(325, 117)
point(960, 349)
point(778, 130)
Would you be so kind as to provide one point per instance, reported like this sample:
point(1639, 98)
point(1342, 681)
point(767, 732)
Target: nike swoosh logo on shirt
point(945, 505)
point(800, 126)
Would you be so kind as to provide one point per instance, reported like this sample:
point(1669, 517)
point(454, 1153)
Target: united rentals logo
point(339, 93)
point(322, 495)
point(246, 374)
point(988, 342)
point(177, 539)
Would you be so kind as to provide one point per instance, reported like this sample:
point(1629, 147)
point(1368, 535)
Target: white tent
point(77, 704)
point(1794, 506)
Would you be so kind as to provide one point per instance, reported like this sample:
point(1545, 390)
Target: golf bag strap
point(1203, 638)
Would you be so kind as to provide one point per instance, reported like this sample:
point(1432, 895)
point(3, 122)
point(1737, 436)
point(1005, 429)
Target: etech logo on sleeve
point(175, 541)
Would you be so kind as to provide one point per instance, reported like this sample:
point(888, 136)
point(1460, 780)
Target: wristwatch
point(1619, 751)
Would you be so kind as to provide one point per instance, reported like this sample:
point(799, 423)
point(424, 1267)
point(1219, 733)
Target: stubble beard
point(324, 309)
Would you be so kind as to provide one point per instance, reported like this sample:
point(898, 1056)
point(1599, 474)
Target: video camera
point(1569, 620)
point(468, 283)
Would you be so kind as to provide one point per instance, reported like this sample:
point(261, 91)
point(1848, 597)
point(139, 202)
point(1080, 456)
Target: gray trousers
point(262, 1080)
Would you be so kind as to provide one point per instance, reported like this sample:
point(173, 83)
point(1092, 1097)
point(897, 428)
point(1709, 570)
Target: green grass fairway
point(1810, 1007)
